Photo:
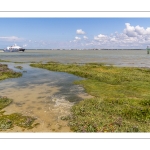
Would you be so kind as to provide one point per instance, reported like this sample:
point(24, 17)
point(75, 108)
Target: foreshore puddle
point(42, 94)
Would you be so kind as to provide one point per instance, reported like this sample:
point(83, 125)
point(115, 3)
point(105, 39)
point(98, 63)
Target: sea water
point(133, 58)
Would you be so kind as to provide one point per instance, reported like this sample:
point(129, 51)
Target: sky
point(75, 33)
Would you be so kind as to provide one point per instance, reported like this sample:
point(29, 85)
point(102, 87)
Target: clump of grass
point(15, 119)
point(5, 72)
point(4, 101)
point(121, 97)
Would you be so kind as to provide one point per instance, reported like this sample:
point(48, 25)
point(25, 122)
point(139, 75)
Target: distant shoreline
point(1, 50)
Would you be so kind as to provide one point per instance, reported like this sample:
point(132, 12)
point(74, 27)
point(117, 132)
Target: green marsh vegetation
point(5, 72)
point(1, 60)
point(15, 119)
point(4, 60)
point(121, 97)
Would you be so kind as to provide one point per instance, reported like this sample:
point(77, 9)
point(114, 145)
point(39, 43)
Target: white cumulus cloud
point(80, 31)
point(132, 31)
point(100, 37)
point(140, 30)
point(77, 38)
point(130, 37)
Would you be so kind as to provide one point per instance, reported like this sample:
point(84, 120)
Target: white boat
point(14, 48)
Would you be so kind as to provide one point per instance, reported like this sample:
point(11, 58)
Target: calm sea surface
point(48, 95)
point(136, 58)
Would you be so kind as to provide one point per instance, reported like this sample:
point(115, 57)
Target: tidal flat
point(121, 97)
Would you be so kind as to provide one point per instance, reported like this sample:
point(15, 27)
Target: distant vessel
point(14, 48)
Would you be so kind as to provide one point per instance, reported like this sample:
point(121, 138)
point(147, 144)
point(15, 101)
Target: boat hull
point(14, 50)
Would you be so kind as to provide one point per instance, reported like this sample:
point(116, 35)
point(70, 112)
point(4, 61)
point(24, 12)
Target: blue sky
point(70, 33)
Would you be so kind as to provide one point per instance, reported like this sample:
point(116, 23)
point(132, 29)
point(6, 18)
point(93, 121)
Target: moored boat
point(14, 48)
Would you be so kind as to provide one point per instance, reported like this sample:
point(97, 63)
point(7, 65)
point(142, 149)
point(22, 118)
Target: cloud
point(100, 37)
point(147, 38)
point(148, 31)
point(77, 38)
point(80, 31)
point(11, 39)
point(85, 37)
point(132, 31)
point(140, 30)
point(113, 39)
point(130, 37)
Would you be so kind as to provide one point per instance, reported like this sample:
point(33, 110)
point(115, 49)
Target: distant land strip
point(84, 49)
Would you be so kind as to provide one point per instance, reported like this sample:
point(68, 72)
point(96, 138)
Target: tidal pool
point(43, 94)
